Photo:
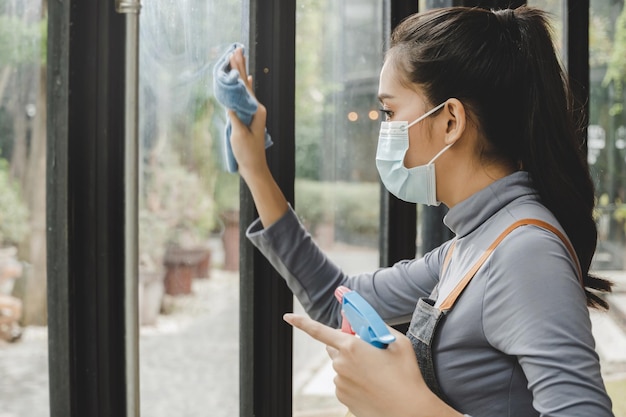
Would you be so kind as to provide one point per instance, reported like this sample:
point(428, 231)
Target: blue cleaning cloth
point(230, 90)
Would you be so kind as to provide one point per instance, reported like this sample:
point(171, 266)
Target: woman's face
point(400, 103)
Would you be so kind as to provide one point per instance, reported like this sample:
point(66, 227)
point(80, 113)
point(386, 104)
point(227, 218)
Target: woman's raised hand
point(248, 143)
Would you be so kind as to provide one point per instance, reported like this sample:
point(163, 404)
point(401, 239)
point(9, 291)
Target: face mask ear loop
point(425, 115)
point(440, 152)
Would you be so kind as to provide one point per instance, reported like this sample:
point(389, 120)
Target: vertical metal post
point(265, 340)
point(434, 232)
point(60, 312)
point(398, 219)
point(131, 206)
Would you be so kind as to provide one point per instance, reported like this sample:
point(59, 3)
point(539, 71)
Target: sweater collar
point(467, 215)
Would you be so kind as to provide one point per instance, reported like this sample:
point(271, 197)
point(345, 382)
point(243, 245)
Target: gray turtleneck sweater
point(518, 341)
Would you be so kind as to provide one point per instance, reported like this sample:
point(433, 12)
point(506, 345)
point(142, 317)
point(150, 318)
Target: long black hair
point(503, 67)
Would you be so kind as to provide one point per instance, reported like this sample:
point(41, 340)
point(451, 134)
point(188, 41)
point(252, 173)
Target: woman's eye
point(388, 114)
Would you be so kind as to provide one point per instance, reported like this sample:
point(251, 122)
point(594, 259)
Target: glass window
point(339, 52)
point(23, 310)
point(188, 214)
point(606, 142)
point(607, 128)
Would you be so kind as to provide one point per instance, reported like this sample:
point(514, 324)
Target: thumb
point(233, 117)
point(237, 124)
point(394, 331)
point(259, 119)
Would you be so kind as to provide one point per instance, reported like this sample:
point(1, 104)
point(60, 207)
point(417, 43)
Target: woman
point(499, 318)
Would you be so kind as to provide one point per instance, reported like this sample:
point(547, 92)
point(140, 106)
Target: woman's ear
point(456, 120)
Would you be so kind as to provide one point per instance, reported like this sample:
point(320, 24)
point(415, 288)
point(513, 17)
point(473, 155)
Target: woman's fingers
point(238, 62)
point(327, 335)
point(332, 352)
point(234, 120)
point(258, 120)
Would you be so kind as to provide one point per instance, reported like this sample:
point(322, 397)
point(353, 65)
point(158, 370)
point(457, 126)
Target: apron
point(426, 317)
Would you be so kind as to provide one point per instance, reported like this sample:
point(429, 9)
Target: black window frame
point(85, 209)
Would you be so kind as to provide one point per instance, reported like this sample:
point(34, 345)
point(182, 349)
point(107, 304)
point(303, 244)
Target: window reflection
point(187, 212)
point(23, 310)
point(339, 49)
point(606, 142)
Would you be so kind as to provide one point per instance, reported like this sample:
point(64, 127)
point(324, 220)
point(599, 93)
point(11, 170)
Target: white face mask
point(415, 185)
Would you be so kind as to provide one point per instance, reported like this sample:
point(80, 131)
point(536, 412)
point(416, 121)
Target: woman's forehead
point(389, 84)
point(392, 88)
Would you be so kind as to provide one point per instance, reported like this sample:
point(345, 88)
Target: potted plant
point(14, 227)
point(152, 237)
point(178, 215)
point(226, 196)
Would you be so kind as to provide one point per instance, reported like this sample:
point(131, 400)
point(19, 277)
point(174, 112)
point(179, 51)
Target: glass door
point(188, 214)
point(339, 53)
point(23, 309)
point(606, 141)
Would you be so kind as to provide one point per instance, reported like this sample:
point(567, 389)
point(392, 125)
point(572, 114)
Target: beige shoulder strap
point(446, 260)
point(452, 297)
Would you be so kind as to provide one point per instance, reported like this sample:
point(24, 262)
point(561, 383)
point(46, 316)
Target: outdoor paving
point(24, 376)
point(190, 363)
point(610, 328)
point(188, 367)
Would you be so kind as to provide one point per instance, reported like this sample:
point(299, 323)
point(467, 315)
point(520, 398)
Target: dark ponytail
point(502, 66)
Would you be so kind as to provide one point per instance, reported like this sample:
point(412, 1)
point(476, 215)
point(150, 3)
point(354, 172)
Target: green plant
point(16, 36)
point(358, 207)
point(313, 202)
point(175, 210)
point(226, 192)
point(153, 235)
point(352, 207)
point(616, 70)
point(14, 225)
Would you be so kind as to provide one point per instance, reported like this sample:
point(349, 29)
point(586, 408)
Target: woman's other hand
point(375, 382)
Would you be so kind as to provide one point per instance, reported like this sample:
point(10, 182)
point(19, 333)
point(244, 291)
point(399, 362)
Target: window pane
point(339, 49)
point(189, 356)
point(607, 131)
point(23, 315)
point(607, 156)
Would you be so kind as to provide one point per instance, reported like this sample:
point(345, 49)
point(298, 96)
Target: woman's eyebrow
point(384, 96)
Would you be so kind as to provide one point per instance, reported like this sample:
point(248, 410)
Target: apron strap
point(446, 260)
point(452, 297)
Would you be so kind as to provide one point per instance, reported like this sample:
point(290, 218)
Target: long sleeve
point(535, 311)
point(313, 278)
